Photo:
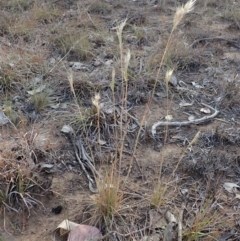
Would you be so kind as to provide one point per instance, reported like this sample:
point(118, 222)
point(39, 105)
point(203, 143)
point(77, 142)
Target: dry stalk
point(180, 13)
point(194, 140)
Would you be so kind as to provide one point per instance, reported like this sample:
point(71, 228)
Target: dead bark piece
point(185, 123)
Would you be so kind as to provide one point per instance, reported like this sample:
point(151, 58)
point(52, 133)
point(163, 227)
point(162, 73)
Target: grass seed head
point(95, 101)
point(168, 76)
point(182, 11)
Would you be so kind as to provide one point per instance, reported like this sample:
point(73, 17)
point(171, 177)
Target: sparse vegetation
point(100, 7)
point(75, 43)
point(109, 71)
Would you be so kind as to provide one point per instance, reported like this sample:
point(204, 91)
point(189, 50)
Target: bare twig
point(85, 161)
point(185, 123)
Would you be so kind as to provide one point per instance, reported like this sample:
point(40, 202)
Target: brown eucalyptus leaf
point(84, 233)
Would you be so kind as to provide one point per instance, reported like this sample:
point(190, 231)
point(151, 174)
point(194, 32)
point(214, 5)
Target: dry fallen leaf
point(205, 110)
point(84, 233)
point(156, 220)
point(67, 129)
point(173, 80)
point(230, 187)
point(237, 196)
point(184, 104)
point(197, 85)
point(101, 142)
point(65, 226)
point(168, 117)
point(170, 217)
point(191, 117)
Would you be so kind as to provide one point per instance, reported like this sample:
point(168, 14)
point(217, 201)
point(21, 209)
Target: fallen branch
point(229, 41)
point(180, 223)
point(185, 123)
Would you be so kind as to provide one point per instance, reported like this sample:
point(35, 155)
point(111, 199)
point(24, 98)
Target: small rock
point(52, 61)
point(3, 119)
point(97, 63)
point(78, 66)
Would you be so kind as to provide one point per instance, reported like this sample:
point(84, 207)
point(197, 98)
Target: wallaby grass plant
point(110, 195)
point(71, 42)
point(206, 223)
point(44, 13)
point(40, 101)
point(158, 197)
point(100, 7)
point(10, 112)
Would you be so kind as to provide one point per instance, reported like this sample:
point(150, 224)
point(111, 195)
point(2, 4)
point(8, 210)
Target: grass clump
point(44, 13)
point(158, 197)
point(109, 199)
point(23, 27)
point(206, 224)
point(99, 7)
point(40, 101)
point(76, 44)
point(10, 112)
point(17, 66)
point(6, 78)
point(19, 183)
point(16, 5)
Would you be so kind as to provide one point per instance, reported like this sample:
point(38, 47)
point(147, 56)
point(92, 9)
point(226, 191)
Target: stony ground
point(47, 44)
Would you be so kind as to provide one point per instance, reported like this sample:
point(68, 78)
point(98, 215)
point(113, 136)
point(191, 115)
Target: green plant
point(40, 101)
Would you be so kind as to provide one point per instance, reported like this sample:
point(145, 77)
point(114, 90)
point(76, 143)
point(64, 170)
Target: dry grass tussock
point(20, 179)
